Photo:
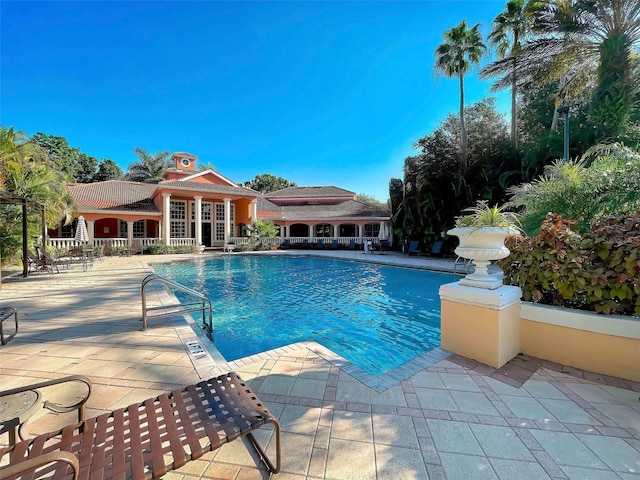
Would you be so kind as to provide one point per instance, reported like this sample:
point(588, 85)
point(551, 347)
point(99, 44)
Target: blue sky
point(322, 93)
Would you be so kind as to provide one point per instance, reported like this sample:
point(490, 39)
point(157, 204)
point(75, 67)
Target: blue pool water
point(377, 317)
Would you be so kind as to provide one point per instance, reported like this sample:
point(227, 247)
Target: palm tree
point(510, 29)
point(462, 48)
point(149, 167)
point(26, 170)
point(581, 44)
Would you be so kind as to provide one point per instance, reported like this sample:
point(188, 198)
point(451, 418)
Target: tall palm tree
point(462, 48)
point(582, 44)
point(149, 167)
point(510, 29)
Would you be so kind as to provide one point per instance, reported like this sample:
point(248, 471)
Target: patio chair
point(334, 244)
point(352, 245)
point(108, 248)
point(285, 244)
point(136, 247)
point(413, 248)
point(41, 264)
point(148, 439)
point(319, 245)
point(436, 249)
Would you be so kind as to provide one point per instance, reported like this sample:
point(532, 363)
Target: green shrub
point(161, 249)
point(599, 271)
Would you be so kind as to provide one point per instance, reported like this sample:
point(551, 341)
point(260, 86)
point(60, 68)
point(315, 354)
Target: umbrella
point(81, 231)
point(384, 232)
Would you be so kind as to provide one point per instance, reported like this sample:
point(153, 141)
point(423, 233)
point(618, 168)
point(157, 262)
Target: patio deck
point(453, 419)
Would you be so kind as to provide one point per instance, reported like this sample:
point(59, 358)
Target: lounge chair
point(413, 248)
point(5, 314)
point(436, 249)
point(285, 244)
point(334, 244)
point(144, 440)
point(352, 245)
point(41, 264)
point(319, 245)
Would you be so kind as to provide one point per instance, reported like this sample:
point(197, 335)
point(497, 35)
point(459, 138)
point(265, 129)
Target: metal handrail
point(203, 304)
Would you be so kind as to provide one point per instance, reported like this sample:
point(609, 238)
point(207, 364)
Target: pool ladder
point(201, 304)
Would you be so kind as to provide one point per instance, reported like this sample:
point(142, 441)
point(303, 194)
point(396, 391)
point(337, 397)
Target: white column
point(198, 208)
point(227, 220)
point(166, 218)
point(287, 231)
point(129, 233)
point(310, 231)
point(91, 227)
point(360, 231)
point(336, 231)
point(254, 210)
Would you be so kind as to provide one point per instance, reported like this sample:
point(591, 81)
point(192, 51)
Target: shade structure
point(82, 235)
point(384, 231)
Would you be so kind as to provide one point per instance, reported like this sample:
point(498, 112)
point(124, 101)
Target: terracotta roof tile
point(114, 195)
point(208, 188)
point(309, 192)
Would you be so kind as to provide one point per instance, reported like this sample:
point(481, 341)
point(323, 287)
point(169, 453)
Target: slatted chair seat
point(149, 439)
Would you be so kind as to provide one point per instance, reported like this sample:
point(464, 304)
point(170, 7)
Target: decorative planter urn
point(482, 245)
point(200, 249)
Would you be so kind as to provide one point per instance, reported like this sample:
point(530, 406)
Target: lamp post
point(565, 110)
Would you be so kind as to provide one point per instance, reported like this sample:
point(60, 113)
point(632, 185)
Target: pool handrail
point(203, 304)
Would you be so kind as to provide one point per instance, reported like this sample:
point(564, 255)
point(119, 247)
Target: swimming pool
point(377, 317)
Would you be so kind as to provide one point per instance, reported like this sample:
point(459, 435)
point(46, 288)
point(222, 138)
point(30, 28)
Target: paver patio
point(453, 419)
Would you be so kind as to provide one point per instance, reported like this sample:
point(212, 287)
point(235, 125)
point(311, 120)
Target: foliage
point(369, 200)
point(433, 191)
point(162, 249)
point(462, 48)
point(261, 230)
point(267, 183)
point(26, 170)
point(610, 185)
point(149, 167)
point(77, 166)
point(599, 271)
point(483, 215)
point(107, 170)
point(585, 45)
point(510, 28)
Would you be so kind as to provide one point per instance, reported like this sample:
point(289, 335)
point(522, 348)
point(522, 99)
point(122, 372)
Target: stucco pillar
point(360, 232)
point(336, 231)
point(129, 233)
point(91, 227)
point(166, 218)
point(287, 231)
point(479, 323)
point(310, 227)
point(227, 220)
point(198, 208)
point(254, 210)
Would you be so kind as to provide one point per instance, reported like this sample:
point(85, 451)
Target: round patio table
point(15, 410)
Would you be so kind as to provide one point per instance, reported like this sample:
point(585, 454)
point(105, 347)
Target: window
point(139, 229)
point(371, 229)
point(323, 230)
point(122, 229)
point(348, 230)
point(178, 219)
point(67, 231)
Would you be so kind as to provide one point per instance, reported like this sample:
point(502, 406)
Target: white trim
point(200, 174)
point(498, 299)
point(617, 325)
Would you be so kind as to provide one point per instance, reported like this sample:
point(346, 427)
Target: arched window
point(348, 230)
point(299, 230)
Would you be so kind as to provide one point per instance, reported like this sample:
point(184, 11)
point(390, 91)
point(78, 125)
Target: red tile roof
point(115, 195)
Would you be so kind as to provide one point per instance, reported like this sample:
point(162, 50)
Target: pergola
point(8, 198)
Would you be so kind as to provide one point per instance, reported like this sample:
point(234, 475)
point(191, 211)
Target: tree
point(584, 44)
point(107, 170)
point(27, 170)
point(266, 183)
point(78, 167)
point(510, 29)
point(369, 200)
point(149, 167)
point(461, 49)
point(605, 181)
